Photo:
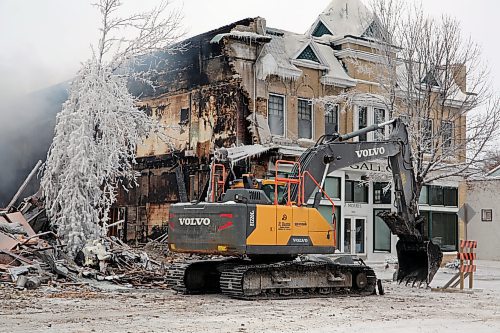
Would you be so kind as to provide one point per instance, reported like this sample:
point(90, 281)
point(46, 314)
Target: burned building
point(255, 88)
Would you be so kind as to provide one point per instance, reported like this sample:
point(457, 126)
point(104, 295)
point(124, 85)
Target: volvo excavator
point(265, 244)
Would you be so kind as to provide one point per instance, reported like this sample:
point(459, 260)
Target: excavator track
point(282, 280)
point(297, 280)
point(198, 276)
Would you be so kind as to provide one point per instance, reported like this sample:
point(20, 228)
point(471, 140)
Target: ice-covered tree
point(100, 126)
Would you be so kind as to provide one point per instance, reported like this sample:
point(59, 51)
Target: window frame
point(310, 104)
point(352, 184)
point(375, 250)
point(336, 110)
point(451, 135)
point(427, 135)
point(370, 120)
point(186, 112)
point(339, 182)
point(389, 192)
point(443, 202)
point(283, 97)
point(429, 216)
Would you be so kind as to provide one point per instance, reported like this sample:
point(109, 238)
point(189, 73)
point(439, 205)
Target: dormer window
point(321, 30)
point(308, 54)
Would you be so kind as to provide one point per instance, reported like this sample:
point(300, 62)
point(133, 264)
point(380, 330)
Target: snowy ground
point(402, 309)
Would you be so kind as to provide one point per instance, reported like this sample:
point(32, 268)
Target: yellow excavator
point(261, 239)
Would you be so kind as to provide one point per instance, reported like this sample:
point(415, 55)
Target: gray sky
point(42, 42)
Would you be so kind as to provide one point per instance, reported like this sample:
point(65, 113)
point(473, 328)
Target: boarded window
point(276, 114)
point(305, 119)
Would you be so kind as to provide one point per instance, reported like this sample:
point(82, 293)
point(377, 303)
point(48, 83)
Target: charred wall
point(203, 105)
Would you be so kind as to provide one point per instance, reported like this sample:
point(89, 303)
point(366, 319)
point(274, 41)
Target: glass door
point(354, 232)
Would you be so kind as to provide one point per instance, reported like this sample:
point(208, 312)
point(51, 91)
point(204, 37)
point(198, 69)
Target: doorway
point(354, 235)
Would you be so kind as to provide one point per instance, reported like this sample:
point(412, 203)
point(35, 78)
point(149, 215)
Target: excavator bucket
point(418, 261)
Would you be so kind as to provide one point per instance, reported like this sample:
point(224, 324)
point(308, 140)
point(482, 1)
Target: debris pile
point(109, 259)
point(25, 258)
point(29, 260)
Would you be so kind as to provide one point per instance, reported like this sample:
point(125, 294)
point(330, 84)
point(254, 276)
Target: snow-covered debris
point(243, 35)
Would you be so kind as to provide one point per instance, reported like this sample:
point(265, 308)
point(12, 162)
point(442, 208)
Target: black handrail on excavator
point(418, 258)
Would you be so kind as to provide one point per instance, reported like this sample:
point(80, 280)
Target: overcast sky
point(42, 42)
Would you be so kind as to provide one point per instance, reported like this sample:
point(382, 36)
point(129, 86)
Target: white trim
point(367, 43)
point(363, 55)
point(333, 81)
point(308, 64)
point(284, 114)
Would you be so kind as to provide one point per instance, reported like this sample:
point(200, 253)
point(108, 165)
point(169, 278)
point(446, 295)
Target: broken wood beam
point(23, 185)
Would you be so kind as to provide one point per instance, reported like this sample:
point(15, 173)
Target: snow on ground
point(402, 309)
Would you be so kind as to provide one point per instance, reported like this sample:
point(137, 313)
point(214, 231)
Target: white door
point(354, 235)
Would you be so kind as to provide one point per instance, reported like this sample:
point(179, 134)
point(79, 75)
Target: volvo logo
point(252, 218)
point(194, 221)
point(370, 152)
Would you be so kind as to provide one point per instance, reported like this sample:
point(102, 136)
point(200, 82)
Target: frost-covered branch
point(427, 72)
point(100, 126)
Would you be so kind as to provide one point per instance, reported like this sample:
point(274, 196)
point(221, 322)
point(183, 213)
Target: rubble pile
point(29, 260)
point(109, 259)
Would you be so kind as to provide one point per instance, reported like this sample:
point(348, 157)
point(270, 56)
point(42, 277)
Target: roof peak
point(343, 17)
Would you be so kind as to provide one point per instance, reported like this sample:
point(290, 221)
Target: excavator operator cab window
point(269, 190)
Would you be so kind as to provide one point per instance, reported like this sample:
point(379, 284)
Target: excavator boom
point(418, 258)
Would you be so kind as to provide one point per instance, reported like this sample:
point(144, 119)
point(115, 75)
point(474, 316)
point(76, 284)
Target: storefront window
point(444, 231)
point(450, 196)
point(332, 187)
point(436, 195)
point(441, 228)
point(381, 234)
point(439, 196)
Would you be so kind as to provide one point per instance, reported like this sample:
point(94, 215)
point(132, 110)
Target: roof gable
point(308, 54)
point(321, 30)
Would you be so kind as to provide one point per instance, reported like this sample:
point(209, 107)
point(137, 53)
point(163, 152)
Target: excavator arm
point(418, 258)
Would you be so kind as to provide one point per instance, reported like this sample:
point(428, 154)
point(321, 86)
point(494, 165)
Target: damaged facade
point(249, 84)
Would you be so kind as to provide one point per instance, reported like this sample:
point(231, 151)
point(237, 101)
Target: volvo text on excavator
point(262, 237)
